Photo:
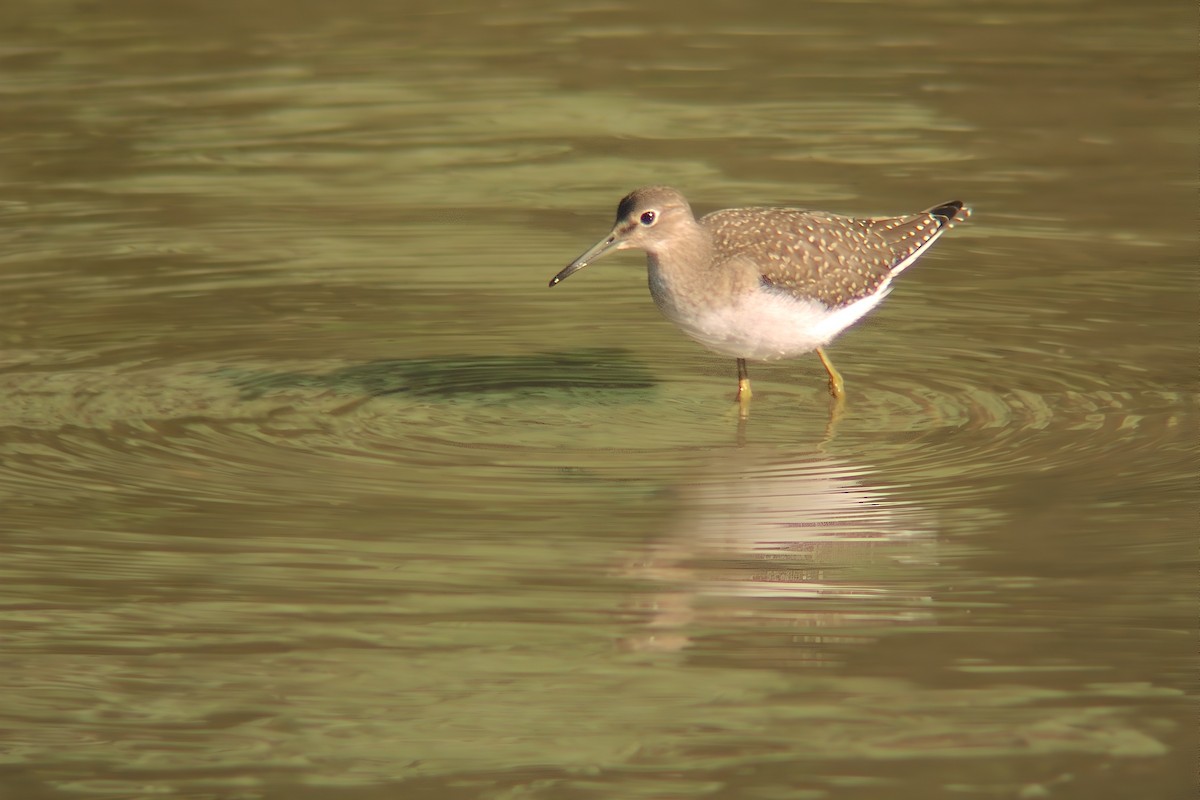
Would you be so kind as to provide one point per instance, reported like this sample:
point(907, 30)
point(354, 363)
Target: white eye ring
point(648, 218)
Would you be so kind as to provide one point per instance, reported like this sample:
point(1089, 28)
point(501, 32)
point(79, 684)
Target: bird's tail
point(950, 213)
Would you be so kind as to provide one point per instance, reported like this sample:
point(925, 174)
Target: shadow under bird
point(764, 284)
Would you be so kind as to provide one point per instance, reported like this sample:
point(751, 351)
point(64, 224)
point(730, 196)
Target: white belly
point(766, 326)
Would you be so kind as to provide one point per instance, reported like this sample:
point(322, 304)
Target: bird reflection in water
point(804, 547)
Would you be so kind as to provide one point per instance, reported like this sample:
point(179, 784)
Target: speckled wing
point(817, 256)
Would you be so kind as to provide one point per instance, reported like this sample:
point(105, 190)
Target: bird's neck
point(683, 273)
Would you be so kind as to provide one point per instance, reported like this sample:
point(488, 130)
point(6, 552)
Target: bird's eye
point(648, 218)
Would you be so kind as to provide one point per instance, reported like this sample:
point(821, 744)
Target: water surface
point(311, 488)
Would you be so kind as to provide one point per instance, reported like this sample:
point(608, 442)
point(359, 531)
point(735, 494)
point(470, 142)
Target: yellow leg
point(837, 386)
point(744, 392)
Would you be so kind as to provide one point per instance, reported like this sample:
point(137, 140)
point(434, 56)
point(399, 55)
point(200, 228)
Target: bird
point(766, 283)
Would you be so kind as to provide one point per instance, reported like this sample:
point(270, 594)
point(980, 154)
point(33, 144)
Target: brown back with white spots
point(831, 258)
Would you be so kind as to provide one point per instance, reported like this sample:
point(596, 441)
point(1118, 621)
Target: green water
point(310, 488)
